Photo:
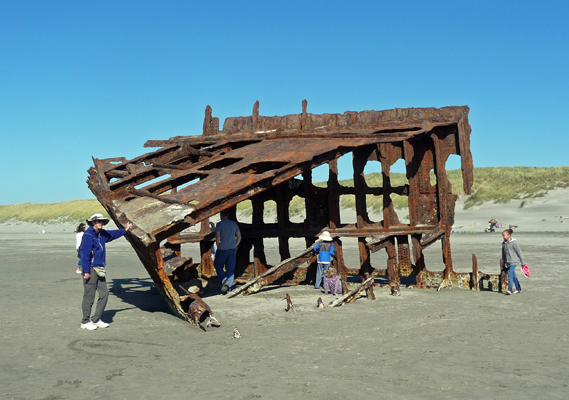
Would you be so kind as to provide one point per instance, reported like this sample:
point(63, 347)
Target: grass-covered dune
point(493, 184)
point(68, 211)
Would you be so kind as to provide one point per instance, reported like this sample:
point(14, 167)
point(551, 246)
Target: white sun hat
point(97, 217)
point(326, 236)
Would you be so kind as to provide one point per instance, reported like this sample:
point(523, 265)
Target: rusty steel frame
point(192, 178)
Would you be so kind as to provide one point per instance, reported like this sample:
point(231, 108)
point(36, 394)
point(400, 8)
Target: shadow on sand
point(140, 293)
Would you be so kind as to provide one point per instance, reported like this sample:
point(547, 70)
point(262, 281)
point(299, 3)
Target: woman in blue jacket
point(93, 255)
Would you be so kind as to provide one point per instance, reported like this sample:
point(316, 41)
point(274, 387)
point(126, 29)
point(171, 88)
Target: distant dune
point(68, 211)
point(494, 187)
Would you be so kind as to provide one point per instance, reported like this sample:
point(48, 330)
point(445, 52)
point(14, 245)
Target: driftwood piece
point(289, 305)
point(445, 284)
point(395, 290)
point(369, 288)
point(213, 322)
point(255, 284)
point(352, 294)
point(236, 333)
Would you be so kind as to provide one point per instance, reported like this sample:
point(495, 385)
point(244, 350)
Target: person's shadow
point(139, 293)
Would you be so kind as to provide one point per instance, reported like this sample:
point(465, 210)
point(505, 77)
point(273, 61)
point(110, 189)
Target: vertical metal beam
point(206, 260)
point(243, 256)
point(464, 131)
point(387, 158)
point(210, 123)
point(304, 119)
point(474, 276)
point(365, 262)
point(255, 116)
point(403, 256)
point(333, 195)
point(443, 189)
point(360, 157)
point(411, 167)
point(340, 265)
point(311, 268)
point(443, 197)
point(259, 258)
point(359, 161)
point(282, 200)
point(392, 268)
point(309, 199)
point(419, 259)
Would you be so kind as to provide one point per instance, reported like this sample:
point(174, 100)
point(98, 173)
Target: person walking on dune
point(93, 261)
point(510, 251)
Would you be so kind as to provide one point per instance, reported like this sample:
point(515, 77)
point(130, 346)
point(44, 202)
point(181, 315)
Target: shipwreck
point(190, 179)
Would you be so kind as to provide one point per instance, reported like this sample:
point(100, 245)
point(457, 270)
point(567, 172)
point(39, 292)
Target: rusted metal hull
point(192, 178)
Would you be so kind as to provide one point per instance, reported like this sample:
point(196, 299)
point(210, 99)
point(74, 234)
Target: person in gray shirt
point(510, 252)
point(227, 238)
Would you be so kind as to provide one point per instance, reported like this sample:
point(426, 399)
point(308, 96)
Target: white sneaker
point(100, 324)
point(89, 326)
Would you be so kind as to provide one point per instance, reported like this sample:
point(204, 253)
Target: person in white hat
point(93, 257)
point(325, 251)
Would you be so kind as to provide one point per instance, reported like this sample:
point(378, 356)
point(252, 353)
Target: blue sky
point(81, 79)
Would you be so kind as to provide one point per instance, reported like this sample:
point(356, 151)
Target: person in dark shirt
point(227, 238)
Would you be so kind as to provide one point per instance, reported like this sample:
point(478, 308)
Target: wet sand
point(424, 344)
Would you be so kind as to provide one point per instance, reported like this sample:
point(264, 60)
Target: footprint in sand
point(115, 348)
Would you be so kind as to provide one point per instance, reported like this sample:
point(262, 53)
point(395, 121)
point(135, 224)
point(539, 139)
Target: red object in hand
point(525, 270)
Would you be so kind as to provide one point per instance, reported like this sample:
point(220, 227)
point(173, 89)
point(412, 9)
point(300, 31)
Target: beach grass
point(68, 211)
point(496, 185)
point(502, 184)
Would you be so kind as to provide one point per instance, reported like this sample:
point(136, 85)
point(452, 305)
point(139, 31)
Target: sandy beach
point(423, 345)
